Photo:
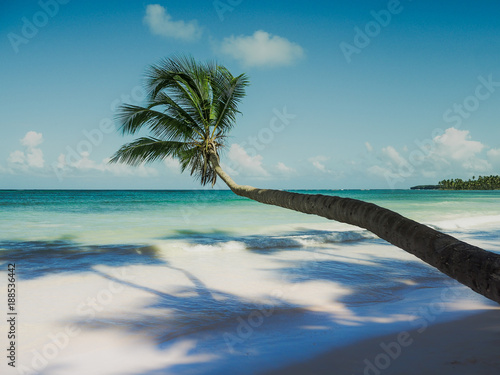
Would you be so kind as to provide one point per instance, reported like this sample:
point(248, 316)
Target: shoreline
point(467, 345)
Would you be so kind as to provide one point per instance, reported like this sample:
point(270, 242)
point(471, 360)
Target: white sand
point(228, 310)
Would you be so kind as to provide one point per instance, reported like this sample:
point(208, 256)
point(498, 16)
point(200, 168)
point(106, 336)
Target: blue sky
point(365, 94)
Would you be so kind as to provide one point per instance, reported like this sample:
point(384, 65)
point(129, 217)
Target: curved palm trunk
point(472, 266)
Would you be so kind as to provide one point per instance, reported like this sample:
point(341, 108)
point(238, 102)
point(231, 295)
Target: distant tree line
point(481, 183)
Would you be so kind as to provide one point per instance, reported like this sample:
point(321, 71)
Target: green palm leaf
point(163, 126)
point(146, 150)
point(190, 108)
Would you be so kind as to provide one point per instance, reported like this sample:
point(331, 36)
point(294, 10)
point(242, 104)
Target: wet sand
point(468, 346)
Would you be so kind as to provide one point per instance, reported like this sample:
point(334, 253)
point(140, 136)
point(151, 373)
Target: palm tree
point(190, 109)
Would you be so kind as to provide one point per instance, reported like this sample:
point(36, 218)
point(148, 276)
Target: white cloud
point(476, 165)
point(160, 23)
point(318, 163)
point(368, 146)
point(454, 149)
point(31, 157)
point(262, 49)
point(34, 158)
point(127, 170)
point(85, 164)
point(453, 153)
point(32, 139)
point(17, 157)
point(456, 144)
point(172, 164)
point(61, 161)
point(394, 156)
point(377, 170)
point(244, 163)
point(284, 169)
point(494, 153)
point(494, 157)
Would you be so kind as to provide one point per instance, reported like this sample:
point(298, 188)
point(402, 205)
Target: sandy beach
point(461, 347)
point(105, 292)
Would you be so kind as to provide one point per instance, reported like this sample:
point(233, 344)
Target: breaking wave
point(206, 242)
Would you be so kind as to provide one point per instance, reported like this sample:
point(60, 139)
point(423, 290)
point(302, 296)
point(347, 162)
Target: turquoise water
point(105, 217)
point(180, 271)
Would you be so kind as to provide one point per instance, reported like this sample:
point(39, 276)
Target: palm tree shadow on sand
point(198, 312)
point(42, 258)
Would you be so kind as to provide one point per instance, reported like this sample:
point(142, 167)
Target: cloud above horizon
point(451, 154)
point(494, 154)
point(242, 163)
point(262, 49)
point(281, 167)
point(86, 164)
point(318, 162)
point(172, 164)
point(31, 156)
point(454, 150)
point(160, 22)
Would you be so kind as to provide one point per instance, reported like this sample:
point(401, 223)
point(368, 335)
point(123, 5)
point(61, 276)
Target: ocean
point(206, 282)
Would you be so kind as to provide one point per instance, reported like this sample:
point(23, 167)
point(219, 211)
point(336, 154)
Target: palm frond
point(230, 91)
point(162, 125)
point(183, 78)
point(175, 110)
point(146, 150)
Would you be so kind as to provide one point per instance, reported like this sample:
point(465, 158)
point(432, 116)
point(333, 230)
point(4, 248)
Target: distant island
point(481, 183)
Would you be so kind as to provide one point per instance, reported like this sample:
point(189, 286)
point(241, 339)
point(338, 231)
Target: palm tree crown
point(189, 110)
